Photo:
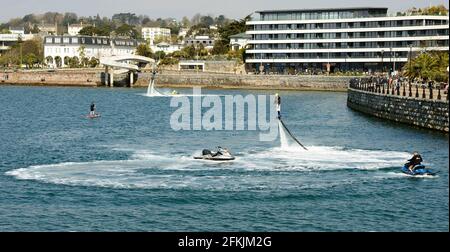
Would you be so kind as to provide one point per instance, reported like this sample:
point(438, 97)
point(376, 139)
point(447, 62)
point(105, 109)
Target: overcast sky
point(180, 8)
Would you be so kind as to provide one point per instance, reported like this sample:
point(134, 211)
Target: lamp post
point(382, 61)
point(447, 84)
point(410, 69)
point(390, 59)
point(393, 67)
point(19, 40)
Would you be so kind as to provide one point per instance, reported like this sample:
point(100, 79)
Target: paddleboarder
point(92, 112)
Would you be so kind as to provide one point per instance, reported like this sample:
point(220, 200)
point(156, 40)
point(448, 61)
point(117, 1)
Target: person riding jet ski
point(414, 166)
point(414, 161)
point(221, 154)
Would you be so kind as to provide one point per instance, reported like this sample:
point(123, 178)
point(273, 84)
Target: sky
point(178, 8)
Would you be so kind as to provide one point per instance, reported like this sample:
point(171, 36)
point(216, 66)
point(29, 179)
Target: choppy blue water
point(128, 171)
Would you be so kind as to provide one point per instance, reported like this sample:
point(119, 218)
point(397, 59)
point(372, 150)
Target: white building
point(74, 29)
point(360, 39)
point(151, 33)
point(8, 40)
point(183, 32)
point(239, 41)
point(59, 49)
point(17, 30)
point(166, 47)
point(206, 41)
point(47, 29)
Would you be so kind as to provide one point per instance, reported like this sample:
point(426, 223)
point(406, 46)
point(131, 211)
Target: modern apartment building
point(343, 39)
point(151, 33)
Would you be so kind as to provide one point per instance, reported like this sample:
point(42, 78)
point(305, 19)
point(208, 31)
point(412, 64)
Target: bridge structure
point(122, 64)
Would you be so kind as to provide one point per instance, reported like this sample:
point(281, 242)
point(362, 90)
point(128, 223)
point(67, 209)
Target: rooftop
point(241, 35)
point(325, 9)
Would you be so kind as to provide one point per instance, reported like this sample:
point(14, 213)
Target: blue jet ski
point(419, 170)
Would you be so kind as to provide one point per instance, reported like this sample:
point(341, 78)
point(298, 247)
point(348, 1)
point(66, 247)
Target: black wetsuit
point(92, 107)
point(414, 161)
point(279, 104)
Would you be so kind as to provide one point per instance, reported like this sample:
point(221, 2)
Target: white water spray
point(151, 91)
point(284, 138)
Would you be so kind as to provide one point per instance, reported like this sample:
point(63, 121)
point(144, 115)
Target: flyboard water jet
point(151, 91)
point(283, 126)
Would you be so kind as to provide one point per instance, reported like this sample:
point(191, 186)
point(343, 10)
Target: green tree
point(89, 31)
point(144, 50)
point(30, 59)
point(189, 52)
point(94, 62)
point(158, 39)
point(220, 47)
point(127, 30)
point(35, 29)
point(82, 54)
point(428, 66)
point(185, 22)
point(58, 61)
point(74, 62)
point(207, 20)
point(440, 10)
point(159, 55)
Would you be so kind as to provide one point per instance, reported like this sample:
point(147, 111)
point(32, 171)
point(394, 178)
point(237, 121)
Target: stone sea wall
point(431, 114)
point(51, 78)
point(166, 78)
point(245, 81)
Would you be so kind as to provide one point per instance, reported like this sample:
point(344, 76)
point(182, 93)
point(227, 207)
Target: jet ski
point(222, 154)
point(419, 170)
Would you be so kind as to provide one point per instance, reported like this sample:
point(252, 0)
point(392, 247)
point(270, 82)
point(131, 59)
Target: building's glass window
point(57, 40)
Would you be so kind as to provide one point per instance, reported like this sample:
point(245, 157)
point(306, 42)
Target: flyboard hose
point(282, 123)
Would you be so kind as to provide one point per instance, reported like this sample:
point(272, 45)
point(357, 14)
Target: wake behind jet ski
point(221, 154)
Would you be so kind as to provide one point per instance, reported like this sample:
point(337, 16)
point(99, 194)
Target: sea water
point(128, 170)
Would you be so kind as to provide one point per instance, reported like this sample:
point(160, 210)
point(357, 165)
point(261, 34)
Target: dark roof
point(16, 28)
point(325, 9)
point(241, 35)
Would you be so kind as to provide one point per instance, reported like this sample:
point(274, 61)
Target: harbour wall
point(430, 114)
point(52, 78)
point(246, 81)
point(166, 78)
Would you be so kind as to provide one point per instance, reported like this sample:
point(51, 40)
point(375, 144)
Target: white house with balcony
point(206, 41)
point(239, 41)
point(59, 49)
point(74, 29)
point(166, 47)
point(151, 33)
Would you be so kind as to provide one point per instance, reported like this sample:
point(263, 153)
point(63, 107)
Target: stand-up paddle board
point(93, 116)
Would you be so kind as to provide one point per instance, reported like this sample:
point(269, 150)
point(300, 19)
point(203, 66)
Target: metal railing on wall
point(398, 87)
